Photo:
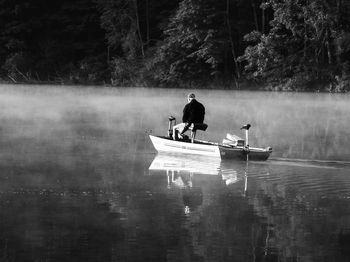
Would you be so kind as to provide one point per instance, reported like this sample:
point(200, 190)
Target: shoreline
point(243, 86)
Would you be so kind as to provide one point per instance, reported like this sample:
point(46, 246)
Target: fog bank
point(61, 121)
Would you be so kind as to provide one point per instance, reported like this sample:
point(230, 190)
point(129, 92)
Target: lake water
point(80, 180)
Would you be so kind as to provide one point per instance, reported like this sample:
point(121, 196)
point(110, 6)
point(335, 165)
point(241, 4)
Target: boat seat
point(196, 126)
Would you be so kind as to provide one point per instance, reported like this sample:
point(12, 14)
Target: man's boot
point(175, 135)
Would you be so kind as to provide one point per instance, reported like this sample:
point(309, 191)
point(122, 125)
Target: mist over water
point(297, 125)
point(77, 181)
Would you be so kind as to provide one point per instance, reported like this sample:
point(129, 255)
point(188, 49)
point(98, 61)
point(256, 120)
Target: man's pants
point(180, 128)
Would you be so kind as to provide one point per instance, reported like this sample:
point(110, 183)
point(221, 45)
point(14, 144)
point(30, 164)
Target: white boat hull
point(162, 144)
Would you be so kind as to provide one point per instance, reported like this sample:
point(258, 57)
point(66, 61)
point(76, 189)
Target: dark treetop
point(277, 44)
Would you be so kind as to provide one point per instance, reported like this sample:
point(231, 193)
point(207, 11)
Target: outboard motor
point(246, 128)
point(171, 124)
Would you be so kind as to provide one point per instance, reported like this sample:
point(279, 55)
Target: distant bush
point(340, 85)
point(92, 70)
point(124, 72)
point(16, 67)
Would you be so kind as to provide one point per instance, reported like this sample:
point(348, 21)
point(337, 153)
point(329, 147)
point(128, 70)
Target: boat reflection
point(186, 163)
point(180, 170)
point(197, 177)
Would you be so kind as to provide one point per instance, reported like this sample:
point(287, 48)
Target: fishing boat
point(232, 147)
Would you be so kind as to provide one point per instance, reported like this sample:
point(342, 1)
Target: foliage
point(51, 38)
point(284, 44)
point(119, 21)
point(199, 45)
point(132, 30)
point(306, 44)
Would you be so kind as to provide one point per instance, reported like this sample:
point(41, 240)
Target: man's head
point(190, 97)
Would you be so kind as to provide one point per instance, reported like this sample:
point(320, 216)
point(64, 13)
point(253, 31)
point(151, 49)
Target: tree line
point(272, 44)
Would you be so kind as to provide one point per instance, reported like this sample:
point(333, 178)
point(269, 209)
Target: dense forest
point(272, 44)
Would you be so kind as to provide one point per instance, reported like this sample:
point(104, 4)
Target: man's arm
point(186, 113)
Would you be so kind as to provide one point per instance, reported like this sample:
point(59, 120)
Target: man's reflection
point(192, 196)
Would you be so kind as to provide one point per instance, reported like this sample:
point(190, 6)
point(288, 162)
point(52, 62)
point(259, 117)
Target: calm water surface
point(80, 180)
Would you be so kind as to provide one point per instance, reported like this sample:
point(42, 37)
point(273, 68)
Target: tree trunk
point(317, 62)
point(329, 55)
point(108, 54)
point(138, 28)
point(263, 21)
point(339, 8)
point(328, 48)
point(255, 15)
point(305, 39)
point(147, 23)
point(231, 38)
point(338, 52)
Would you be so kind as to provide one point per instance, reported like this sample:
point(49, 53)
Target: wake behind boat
point(232, 146)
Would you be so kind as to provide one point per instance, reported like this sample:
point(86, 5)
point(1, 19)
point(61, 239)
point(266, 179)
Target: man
point(193, 112)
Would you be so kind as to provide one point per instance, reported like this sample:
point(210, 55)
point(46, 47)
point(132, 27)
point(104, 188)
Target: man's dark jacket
point(193, 112)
